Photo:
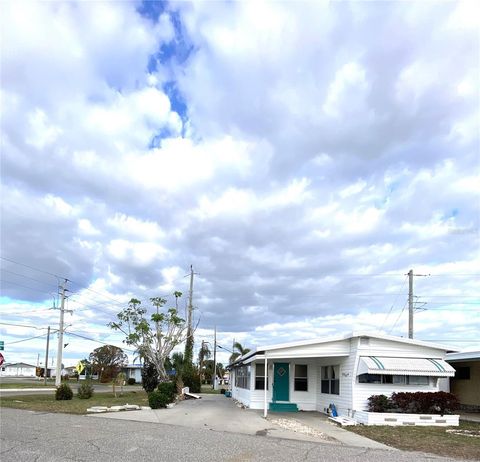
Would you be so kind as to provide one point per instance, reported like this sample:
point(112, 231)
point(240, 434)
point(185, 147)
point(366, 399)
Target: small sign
point(2, 345)
point(80, 367)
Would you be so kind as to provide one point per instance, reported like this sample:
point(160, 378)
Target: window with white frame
point(331, 380)
point(242, 377)
point(301, 377)
point(394, 379)
point(260, 376)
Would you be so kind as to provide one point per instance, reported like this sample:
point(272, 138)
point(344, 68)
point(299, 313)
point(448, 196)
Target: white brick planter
point(388, 418)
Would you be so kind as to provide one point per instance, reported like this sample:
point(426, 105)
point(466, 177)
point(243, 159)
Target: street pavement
point(28, 436)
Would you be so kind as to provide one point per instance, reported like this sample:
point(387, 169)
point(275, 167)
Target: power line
point(393, 304)
point(24, 276)
point(97, 341)
point(399, 316)
point(25, 287)
point(26, 339)
point(31, 267)
point(21, 325)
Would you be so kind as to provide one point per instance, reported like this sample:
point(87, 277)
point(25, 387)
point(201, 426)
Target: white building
point(343, 371)
point(133, 371)
point(17, 370)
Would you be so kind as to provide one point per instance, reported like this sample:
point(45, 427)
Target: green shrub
point(131, 381)
point(63, 393)
point(191, 380)
point(157, 400)
point(379, 403)
point(85, 390)
point(168, 389)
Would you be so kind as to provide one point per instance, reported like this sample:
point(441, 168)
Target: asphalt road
point(37, 437)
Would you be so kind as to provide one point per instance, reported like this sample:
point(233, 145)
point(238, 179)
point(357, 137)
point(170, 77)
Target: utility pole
point(58, 375)
point(45, 374)
point(190, 304)
point(201, 361)
point(188, 355)
point(410, 301)
point(214, 358)
point(410, 304)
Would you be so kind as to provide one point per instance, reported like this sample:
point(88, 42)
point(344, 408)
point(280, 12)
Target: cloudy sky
point(302, 156)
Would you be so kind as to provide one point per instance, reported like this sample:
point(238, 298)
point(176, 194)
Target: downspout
point(265, 380)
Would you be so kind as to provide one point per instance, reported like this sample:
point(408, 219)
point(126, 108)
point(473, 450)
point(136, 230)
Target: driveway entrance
point(215, 412)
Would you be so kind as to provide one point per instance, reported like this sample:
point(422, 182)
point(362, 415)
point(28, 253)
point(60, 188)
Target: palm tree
point(177, 361)
point(240, 351)
point(203, 354)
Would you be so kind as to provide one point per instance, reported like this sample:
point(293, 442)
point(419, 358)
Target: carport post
point(265, 380)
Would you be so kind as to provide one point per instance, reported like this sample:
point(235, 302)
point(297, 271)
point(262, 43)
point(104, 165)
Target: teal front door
point(281, 382)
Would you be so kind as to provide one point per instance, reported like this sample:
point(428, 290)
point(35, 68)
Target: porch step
point(282, 407)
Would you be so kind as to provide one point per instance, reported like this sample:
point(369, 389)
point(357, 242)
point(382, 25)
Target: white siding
point(343, 400)
point(381, 347)
point(363, 391)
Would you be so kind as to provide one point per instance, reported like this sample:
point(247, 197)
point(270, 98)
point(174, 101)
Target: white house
point(17, 370)
point(133, 371)
point(343, 371)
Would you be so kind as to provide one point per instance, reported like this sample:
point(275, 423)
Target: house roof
point(462, 356)
point(18, 365)
point(355, 334)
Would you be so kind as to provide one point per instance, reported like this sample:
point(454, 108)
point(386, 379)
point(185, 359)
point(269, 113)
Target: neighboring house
point(466, 382)
point(343, 371)
point(133, 371)
point(17, 370)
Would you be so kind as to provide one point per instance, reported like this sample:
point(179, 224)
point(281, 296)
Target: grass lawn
point(434, 440)
point(209, 390)
point(8, 385)
point(47, 403)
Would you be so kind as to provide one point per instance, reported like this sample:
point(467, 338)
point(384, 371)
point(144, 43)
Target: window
point(462, 373)
point(301, 377)
point(260, 377)
point(242, 377)
point(417, 380)
point(393, 379)
point(330, 380)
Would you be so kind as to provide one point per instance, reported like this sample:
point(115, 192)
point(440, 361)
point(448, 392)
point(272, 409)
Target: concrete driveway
point(217, 413)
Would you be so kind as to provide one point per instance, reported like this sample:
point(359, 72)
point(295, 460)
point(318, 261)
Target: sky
point(302, 156)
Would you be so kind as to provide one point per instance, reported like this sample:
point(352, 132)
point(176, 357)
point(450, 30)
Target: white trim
point(315, 341)
point(265, 380)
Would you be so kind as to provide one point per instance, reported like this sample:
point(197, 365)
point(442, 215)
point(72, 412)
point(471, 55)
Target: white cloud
point(292, 163)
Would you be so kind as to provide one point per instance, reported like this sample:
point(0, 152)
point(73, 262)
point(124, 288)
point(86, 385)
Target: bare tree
point(153, 338)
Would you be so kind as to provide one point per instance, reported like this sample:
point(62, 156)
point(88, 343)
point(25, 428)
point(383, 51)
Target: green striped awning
point(432, 367)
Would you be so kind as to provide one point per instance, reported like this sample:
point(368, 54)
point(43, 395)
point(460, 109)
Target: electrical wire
point(21, 325)
point(31, 267)
point(27, 339)
point(25, 287)
point(399, 316)
point(393, 304)
point(97, 341)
